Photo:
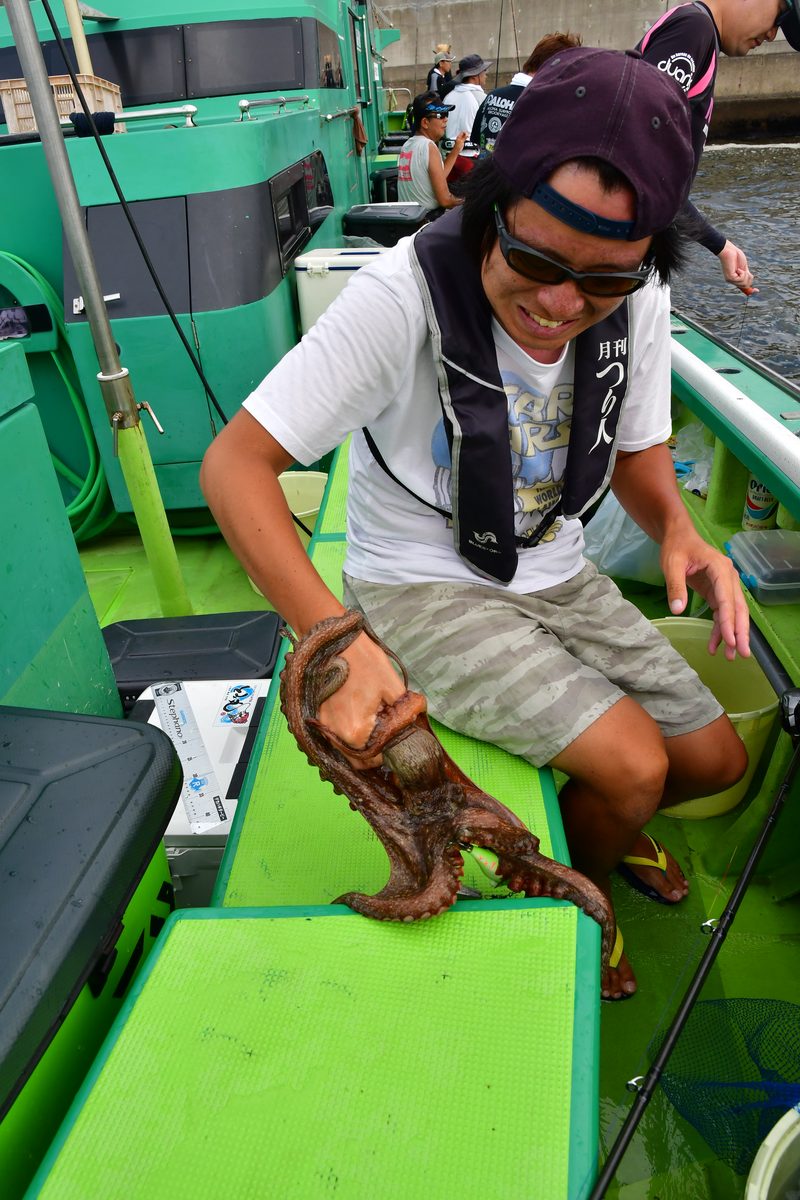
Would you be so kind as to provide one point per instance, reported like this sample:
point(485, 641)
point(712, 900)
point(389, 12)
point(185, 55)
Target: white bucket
point(775, 1173)
point(744, 692)
point(303, 491)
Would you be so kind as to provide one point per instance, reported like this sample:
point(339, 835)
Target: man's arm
point(644, 483)
point(439, 171)
point(257, 525)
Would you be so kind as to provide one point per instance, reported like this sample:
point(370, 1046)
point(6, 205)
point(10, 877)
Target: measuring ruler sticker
point(237, 705)
point(201, 793)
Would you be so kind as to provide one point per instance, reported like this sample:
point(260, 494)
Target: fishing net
point(734, 1072)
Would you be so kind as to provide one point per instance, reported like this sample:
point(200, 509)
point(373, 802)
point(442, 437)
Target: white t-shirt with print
point(368, 361)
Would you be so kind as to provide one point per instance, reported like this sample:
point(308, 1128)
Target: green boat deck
point(309, 1053)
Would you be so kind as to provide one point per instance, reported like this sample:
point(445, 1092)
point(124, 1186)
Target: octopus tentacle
point(420, 804)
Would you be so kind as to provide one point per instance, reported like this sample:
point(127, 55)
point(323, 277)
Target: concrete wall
point(759, 93)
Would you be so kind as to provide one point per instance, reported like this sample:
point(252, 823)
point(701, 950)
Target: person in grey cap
point(685, 43)
point(440, 73)
point(497, 372)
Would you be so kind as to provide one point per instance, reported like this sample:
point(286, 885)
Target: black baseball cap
point(607, 104)
point(789, 24)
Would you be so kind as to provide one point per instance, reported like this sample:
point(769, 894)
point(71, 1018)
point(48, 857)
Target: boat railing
point(391, 96)
point(280, 101)
point(188, 111)
point(345, 112)
point(778, 444)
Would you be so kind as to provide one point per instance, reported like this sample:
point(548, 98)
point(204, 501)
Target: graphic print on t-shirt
point(538, 428)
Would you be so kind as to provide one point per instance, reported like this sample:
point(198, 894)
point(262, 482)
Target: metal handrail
point(185, 110)
point(246, 105)
point(345, 112)
point(394, 91)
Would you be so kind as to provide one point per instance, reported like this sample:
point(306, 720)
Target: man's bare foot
point(619, 982)
point(653, 871)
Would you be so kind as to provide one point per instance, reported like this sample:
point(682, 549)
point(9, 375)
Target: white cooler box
point(321, 275)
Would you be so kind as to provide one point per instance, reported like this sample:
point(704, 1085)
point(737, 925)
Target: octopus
point(422, 807)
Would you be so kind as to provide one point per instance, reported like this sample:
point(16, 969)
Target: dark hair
point(549, 45)
point(485, 186)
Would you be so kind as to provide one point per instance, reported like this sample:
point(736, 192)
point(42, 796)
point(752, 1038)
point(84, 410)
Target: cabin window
point(170, 63)
point(290, 206)
point(148, 64)
point(330, 59)
point(243, 56)
point(356, 43)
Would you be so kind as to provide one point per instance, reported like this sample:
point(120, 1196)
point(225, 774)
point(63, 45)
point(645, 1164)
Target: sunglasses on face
point(541, 269)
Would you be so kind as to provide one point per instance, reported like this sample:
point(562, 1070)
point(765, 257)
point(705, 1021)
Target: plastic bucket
point(775, 1173)
point(303, 491)
point(744, 692)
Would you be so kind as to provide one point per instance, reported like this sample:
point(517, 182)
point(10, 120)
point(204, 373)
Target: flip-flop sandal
point(616, 955)
point(660, 861)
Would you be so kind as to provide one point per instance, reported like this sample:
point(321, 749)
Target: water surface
point(752, 195)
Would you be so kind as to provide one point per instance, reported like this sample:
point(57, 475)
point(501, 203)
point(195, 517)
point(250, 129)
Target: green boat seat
point(309, 1053)
point(84, 889)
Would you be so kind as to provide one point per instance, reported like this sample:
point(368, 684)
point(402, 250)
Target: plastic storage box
point(384, 184)
point(213, 646)
point(385, 223)
point(84, 890)
point(321, 275)
point(768, 561)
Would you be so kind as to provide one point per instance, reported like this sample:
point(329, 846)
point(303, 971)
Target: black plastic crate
point(385, 223)
point(211, 646)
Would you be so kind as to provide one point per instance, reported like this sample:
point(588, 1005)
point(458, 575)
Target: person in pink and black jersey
point(685, 43)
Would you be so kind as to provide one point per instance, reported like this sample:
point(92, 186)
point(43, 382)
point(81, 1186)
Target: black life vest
point(475, 406)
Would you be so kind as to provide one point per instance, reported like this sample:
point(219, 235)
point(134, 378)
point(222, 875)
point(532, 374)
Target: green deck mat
point(266, 1056)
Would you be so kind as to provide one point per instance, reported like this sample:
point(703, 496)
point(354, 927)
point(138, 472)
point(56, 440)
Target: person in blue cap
point(685, 43)
point(421, 173)
point(497, 372)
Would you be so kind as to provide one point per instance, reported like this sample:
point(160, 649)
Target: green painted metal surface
point(311, 1053)
point(163, 158)
point(53, 654)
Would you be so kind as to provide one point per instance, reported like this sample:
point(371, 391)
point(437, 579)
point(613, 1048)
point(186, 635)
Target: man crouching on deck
point(497, 371)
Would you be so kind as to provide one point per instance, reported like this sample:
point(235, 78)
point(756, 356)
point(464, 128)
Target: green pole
point(140, 478)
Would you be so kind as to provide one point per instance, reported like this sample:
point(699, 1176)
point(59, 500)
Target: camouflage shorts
point(530, 673)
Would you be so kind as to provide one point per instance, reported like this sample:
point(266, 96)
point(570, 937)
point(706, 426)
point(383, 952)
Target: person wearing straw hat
point(497, 371)
point(685, 44)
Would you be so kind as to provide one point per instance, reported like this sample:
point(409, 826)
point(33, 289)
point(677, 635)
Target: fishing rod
point(644, 1086)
